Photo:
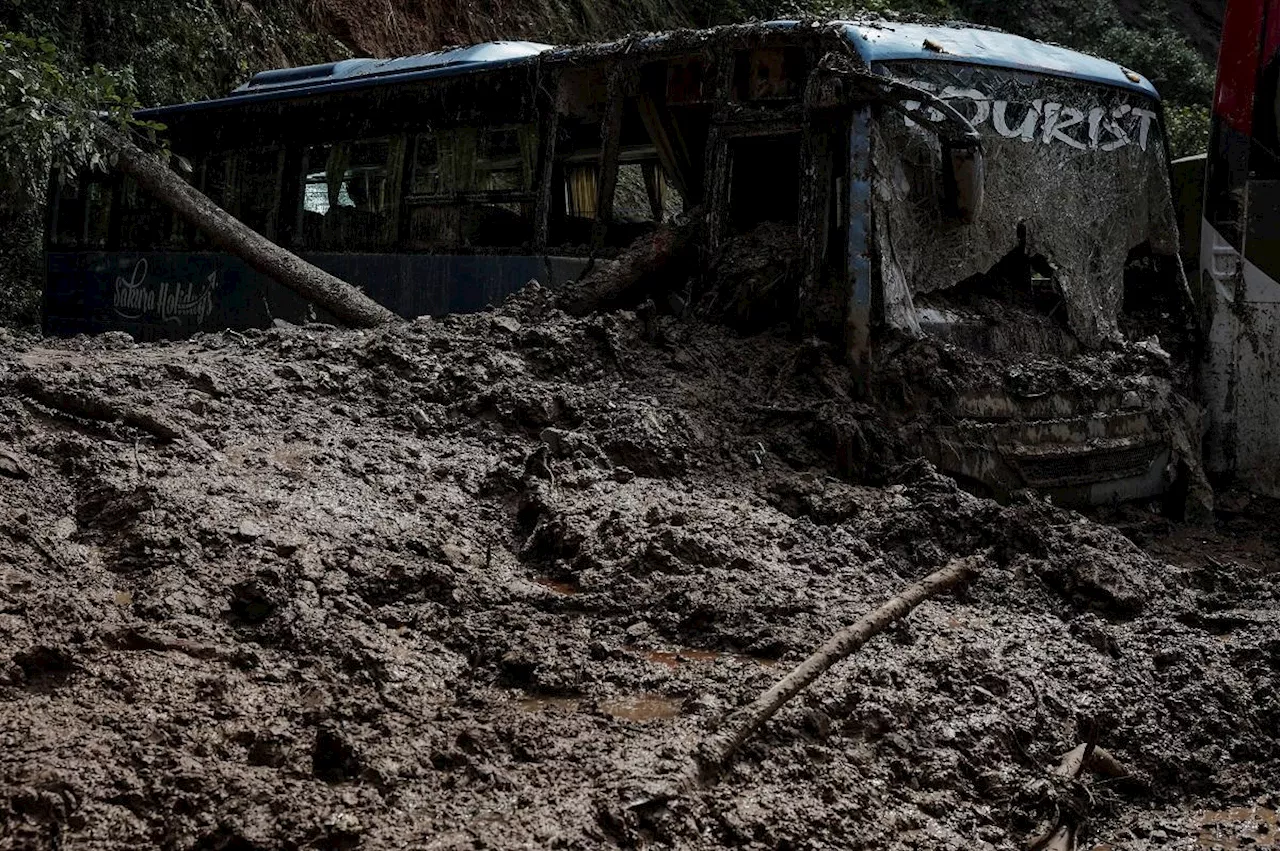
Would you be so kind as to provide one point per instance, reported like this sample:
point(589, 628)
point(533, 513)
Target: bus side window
point(144, 221)
point(472, 187)
point(214, 176)
point(257, 189)
point(501, 214)
point(99, 201)
point(642, 198)
point(768, 74)
point(351, 195)
point(67, 227)
point(576, 183)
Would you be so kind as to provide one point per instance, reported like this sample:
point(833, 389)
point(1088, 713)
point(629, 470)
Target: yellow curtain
point(583, 182)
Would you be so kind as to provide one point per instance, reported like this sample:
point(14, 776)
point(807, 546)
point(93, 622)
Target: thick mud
point(488, 582)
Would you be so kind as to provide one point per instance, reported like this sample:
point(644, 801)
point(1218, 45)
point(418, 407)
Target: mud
point(487, 582)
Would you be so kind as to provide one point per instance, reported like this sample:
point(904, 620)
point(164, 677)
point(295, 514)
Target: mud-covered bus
point(1240, 252)
point(923, 173)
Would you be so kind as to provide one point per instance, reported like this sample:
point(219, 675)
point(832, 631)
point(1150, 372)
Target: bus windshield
point(1076, 180)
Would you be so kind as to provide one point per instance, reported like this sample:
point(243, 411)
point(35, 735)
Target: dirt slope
point(397, 28)
point(486, 582)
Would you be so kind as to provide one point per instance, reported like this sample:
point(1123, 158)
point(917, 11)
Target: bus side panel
point(159, 295)
point(1240, 252)
point(172, 295)
point(1242, 372)
point(435, 284)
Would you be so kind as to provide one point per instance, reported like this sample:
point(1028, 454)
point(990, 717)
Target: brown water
point(685, 655)
point(1239, 827)
point(642, 707)
point(558, 586)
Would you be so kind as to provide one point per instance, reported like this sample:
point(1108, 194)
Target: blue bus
point(920, 172)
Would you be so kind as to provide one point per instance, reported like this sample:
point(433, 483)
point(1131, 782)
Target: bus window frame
point(295, 182)
point(471, 198)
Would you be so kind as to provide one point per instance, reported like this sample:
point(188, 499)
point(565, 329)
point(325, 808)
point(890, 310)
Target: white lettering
point(168, 301)
point(981, 103)
point(1119, 137)
point(1095, 125)
point(1053, 123)
point(1027, 129)
point(1146, 116)
point(1063, 119)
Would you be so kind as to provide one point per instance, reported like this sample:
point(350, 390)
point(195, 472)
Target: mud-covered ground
point(488, 581)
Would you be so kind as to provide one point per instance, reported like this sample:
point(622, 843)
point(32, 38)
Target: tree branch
point(718, 749)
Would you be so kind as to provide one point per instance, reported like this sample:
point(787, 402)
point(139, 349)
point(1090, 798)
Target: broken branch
point(1084, 757)
point(721, 746)
point(344, 301)
point(628, 278)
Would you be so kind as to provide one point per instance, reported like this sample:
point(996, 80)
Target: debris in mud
point(419, 585)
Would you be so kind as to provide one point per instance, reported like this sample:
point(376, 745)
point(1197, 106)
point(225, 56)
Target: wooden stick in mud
point(92, 406)
point(721, 746)
point(1084, 757)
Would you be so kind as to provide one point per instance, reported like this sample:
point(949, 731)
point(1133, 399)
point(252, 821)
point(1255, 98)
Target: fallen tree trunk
point(614, 283)
point(333, 294)
point(720, 747)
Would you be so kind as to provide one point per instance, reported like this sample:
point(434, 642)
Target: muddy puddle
point(1234, 827)
point(170, 673)
point(674, 659)
point(1239, 827)
point(632, 707)
point(642, 707)
point(558, 586)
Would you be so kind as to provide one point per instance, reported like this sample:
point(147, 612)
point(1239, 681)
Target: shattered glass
point(1079, 169)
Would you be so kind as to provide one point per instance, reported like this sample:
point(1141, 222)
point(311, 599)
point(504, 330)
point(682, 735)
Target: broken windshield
point(1076, 177)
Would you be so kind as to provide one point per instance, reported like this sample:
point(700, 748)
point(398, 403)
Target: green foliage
point(1188, 129)
point(66, 63)
point(20, 261)
point(177, 50)
point(48, 112)
point(1182, 75)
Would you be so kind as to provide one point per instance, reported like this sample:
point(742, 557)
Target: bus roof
point(887, 41)
point(875, 41)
